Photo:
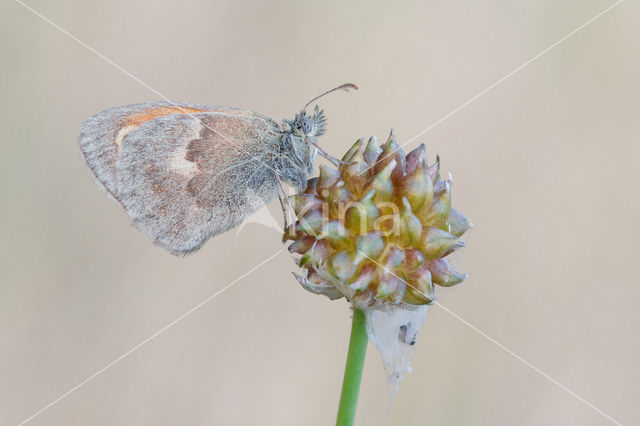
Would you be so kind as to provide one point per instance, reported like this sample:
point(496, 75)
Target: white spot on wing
point(122, 133)
point(182, 166)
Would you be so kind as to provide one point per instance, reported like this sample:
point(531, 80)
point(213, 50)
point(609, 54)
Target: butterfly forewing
point(183, 172)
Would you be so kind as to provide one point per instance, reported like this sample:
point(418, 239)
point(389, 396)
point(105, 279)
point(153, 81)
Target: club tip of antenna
point(345, 86)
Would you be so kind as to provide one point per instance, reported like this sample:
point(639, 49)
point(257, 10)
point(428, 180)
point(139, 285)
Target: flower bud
point(434, 170)
point(458, 223)
point(378, 229)
point(392, 151)
point(416, 188)
point(341, 266)
point(382, 183)
point(361, 215)
point(443, 274)
point(327, 178)
point(419, 286)
point(437, 214)
point(372, 151)
point(416, 157)
point(438, 243)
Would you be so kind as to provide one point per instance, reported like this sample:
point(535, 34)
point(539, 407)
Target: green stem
point(353, 370)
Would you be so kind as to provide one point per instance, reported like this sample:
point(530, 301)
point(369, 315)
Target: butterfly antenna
point(345, 86)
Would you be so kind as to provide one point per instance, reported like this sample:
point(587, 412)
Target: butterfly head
point(309, 125)
point(297, 139)
point(297, 155)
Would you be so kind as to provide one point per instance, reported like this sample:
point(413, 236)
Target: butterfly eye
point(307, 125)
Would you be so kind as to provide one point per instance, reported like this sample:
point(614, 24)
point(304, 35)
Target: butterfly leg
point(288, 210)
point(284, 212)
point(335, 161)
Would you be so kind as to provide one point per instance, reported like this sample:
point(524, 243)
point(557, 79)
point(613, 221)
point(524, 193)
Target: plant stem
point(353, 370)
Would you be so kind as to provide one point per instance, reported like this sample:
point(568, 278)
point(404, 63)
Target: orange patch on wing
point(138, 118)
point(134, 120)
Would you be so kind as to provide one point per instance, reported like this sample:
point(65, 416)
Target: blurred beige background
point(545, 164)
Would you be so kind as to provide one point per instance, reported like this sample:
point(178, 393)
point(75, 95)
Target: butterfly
point(186, 172)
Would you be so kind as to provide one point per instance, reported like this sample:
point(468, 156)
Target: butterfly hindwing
point(183, 173)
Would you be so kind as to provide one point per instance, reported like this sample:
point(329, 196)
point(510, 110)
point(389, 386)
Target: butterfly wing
point(182, 172)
